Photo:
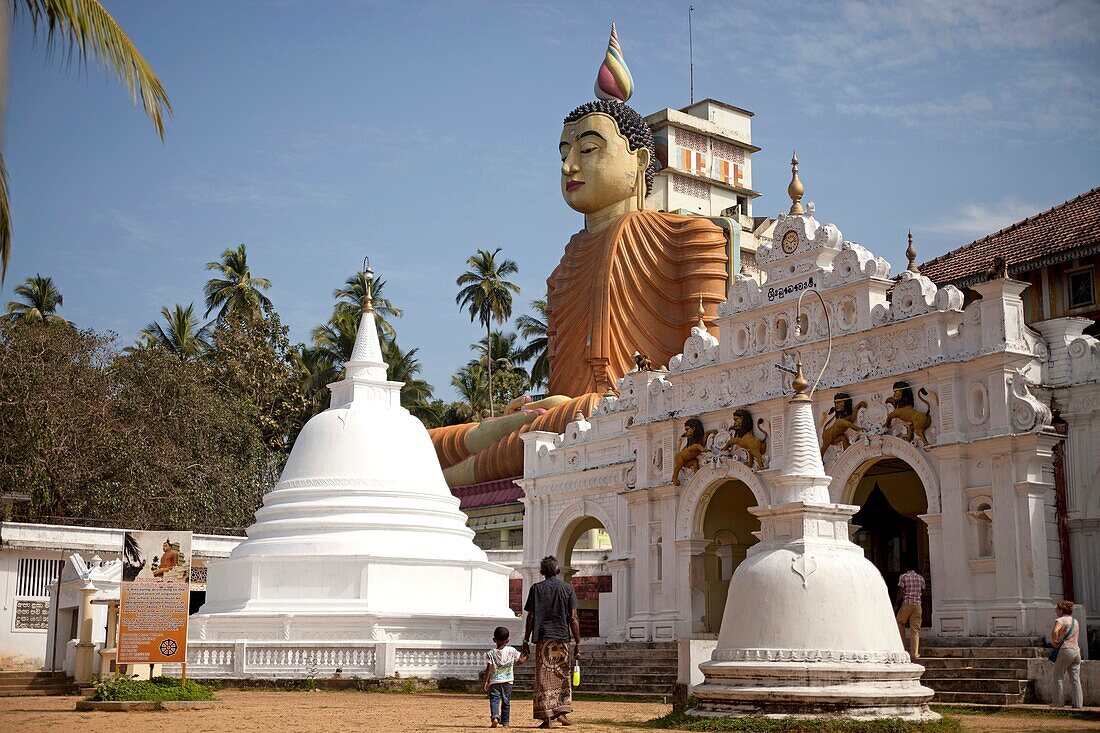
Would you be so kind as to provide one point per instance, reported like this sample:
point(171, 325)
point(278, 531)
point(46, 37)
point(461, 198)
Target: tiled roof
point(490, 493)
point(1067, 226)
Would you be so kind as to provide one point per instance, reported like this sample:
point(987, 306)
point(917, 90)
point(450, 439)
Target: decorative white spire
point(366, 370)
point(366, 356)
point(803, 477)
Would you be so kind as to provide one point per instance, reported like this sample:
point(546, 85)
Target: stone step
point(1012, 687)
point(38, 691)
point(978, 698)
point(1027, 652)
point(931, 663)
point(980, 641)
point(965, 673)
point(20, 676)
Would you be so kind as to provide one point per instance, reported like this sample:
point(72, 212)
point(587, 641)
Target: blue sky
point(418, 132)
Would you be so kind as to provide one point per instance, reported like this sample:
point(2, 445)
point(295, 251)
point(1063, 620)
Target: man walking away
point(908, 607)
point(551, 618)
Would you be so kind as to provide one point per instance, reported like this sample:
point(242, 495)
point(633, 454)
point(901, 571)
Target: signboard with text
point(156, 569)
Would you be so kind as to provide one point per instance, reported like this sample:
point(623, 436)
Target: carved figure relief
point(840, 418)
point(905, 411)
point(695, 442)
point(744, 437)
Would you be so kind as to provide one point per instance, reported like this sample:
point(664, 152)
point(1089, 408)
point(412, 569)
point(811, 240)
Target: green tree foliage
point(87, 30)
point(534, 328)
point(251, 362)
point(38, 301)
point(486, 294)
point(236, 291)
point(472, 384)
point(139, 439)
point(349, 300)
point(181, 334)
point(510, 380)
point(333, 343)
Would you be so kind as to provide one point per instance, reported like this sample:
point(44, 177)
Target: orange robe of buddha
point(633, 286)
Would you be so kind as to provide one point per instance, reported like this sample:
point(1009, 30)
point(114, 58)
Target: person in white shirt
point(1064, 636)
point(499, 677)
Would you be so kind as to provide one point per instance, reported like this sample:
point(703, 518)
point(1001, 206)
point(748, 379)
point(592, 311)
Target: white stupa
point(359, 559)
point(808, 628)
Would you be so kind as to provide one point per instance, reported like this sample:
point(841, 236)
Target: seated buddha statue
point(631, 281)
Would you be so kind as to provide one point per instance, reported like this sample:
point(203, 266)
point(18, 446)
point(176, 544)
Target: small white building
point(43, 562)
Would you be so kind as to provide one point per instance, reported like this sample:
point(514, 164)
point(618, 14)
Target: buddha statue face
point(599, 171)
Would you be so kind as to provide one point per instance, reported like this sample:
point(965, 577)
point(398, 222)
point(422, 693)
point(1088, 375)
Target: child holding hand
point(499, 677)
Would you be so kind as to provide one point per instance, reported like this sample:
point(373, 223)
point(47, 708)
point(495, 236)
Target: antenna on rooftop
point(691, 56)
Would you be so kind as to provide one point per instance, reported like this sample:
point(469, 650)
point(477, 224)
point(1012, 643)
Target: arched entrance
point(887, 526)
point(728, 526)
point(583, 552)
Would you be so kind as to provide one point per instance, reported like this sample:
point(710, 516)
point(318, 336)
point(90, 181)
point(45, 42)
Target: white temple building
point(934, 418)
point(359, 559)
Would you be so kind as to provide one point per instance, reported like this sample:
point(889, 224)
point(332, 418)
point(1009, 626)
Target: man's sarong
point(553, 679)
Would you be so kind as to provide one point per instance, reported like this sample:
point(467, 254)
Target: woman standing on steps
point(551, 619)
point(1066, 656)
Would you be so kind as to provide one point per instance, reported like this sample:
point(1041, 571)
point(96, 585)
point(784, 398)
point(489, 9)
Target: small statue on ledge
point(840, 418)
point(643, 363)
point(905, 410)
point(696, 443)
point(998, 270)
point(744, 437)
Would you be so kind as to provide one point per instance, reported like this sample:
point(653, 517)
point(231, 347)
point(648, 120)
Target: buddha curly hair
point(631, 126)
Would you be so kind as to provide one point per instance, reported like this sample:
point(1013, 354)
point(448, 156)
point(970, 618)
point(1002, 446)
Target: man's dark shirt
point(552, 603)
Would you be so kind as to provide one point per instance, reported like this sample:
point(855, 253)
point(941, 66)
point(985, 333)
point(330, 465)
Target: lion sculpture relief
point(905, 410)
point(744, 437)
point(695, 444)
point(840, 418)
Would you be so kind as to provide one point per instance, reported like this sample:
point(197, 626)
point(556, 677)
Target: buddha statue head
point(607, 156)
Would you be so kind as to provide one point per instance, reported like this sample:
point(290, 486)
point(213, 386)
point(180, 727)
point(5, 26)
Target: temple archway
point(891, 498)
point(584, 551)
point(728, 527)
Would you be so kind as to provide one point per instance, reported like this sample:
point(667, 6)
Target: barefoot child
point(499, 677)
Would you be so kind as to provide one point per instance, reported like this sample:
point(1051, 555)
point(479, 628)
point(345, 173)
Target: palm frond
point(85, 26)
point(5, 221)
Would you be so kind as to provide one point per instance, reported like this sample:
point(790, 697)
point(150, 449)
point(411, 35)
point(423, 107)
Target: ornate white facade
point(967, 445)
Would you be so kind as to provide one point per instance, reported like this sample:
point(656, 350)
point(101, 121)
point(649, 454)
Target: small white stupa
point(808, 629)
point(359, 559)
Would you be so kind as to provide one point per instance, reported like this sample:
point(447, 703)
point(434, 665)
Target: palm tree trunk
point(489, 361)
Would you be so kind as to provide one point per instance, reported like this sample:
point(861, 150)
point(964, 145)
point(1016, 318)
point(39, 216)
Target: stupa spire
point(366, 360)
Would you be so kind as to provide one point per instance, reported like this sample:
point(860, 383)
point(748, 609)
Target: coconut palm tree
point(506, 355)
point(472, 384)
point(315, 372)
point(336, 339)
point(237, 290)
point(349, 299)
point(403, 366)
point(533, 328)
point(487, 296)
point(88, 30)
point(181, 333)
point(40, 301)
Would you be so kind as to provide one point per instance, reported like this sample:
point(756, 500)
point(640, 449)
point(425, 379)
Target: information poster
point(156, 569)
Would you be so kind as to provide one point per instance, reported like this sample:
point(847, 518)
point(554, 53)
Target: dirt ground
point(341, 712)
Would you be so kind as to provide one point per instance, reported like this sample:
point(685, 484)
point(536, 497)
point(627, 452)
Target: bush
point(679, 720)
point(121, 687)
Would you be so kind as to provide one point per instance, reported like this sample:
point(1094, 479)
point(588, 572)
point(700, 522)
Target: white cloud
point(137, 229)
point(979, 219)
